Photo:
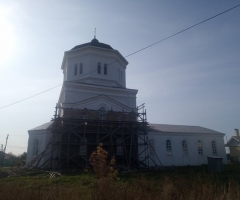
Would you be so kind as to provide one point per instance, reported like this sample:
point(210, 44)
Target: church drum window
point(84, 116)
point(36, 147)
point(105, 69)
point(102, 113)
point(75, 70)
point(168, 147)
point(214, 147)
point(99, 68)
point(81, 68)
point(184, 147)
point(119, 119)
point(199, 146)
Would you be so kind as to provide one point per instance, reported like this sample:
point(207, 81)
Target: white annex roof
point(154, 127)
point(45, 126)
point(180, 129)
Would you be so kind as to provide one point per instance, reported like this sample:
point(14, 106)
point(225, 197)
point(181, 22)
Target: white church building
point(95, 107)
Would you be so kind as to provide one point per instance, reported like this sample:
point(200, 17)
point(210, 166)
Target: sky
point(190, 79)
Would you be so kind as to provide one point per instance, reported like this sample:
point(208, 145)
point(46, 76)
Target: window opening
point(105, 69)
point(102, 113)
point(184, 147)
point(119, 119)
point(199, 145)
point(169, 147)
point(84, 116)
point(119, 146)
point(35, 147)
point(214, 147)
point(99, 68)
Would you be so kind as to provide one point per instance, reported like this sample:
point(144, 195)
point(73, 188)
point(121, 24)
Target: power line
point(19, 135)
point(17, 147)
point(129, 54)
point(182, 31)
point(43, 91)
point(30, 96)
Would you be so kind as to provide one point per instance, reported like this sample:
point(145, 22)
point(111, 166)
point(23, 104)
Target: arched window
point(81, 68)
point(83, 147)
point(214, 147)
point(169, 147)
point(35, 147)
point(184, 147)
point(119, 119)
point(152, 146)
point(102, 113)
point(119, 146)
point(199, 145)
point(105, 69)
point(84, 116)
point(99, 68)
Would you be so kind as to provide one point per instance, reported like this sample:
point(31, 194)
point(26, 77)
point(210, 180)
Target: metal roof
point(94, 43)
point(45, 126)
point(154, 127)
point(180, 129)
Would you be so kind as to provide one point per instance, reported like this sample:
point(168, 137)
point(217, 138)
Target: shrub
point(101, 166)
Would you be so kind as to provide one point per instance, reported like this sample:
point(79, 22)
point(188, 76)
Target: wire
point(43, 91)
point(17, 147)
point(128, 54)
point(182, 31)
point(19, 135)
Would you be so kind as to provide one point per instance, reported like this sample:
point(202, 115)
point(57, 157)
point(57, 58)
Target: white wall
point(177, 157)
point(86, 96)
point(44, 137)
point(90, 57)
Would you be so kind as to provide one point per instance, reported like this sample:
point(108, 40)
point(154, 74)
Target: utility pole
point(5, 144)
point(2, 155)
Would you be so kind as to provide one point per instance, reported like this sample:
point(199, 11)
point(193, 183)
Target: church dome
point(94, 43)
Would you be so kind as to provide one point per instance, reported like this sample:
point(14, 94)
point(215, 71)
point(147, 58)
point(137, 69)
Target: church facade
point(96, 107)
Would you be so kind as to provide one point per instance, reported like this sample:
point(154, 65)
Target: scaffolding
point(76, 133)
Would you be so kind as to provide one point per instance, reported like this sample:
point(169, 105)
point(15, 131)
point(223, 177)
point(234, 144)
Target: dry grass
point(166, 189)
point(163, 186)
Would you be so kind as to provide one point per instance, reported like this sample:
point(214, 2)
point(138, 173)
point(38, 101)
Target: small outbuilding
point(215, 164)
point(234, 147)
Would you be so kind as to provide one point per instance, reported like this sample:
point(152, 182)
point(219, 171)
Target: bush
point(101, 166)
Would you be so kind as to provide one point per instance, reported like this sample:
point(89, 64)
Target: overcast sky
point(190, 79)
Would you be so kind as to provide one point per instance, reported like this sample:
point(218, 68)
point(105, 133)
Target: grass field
point(179, 183)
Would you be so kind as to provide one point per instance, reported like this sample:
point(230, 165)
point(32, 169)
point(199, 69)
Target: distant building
point(234, 147)
point(5, 159)
point(96, 107)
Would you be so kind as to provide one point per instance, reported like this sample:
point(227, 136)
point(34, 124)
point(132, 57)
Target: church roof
point(45, 126)
point(156, 127)
point(94, 43)
point(180, 129)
